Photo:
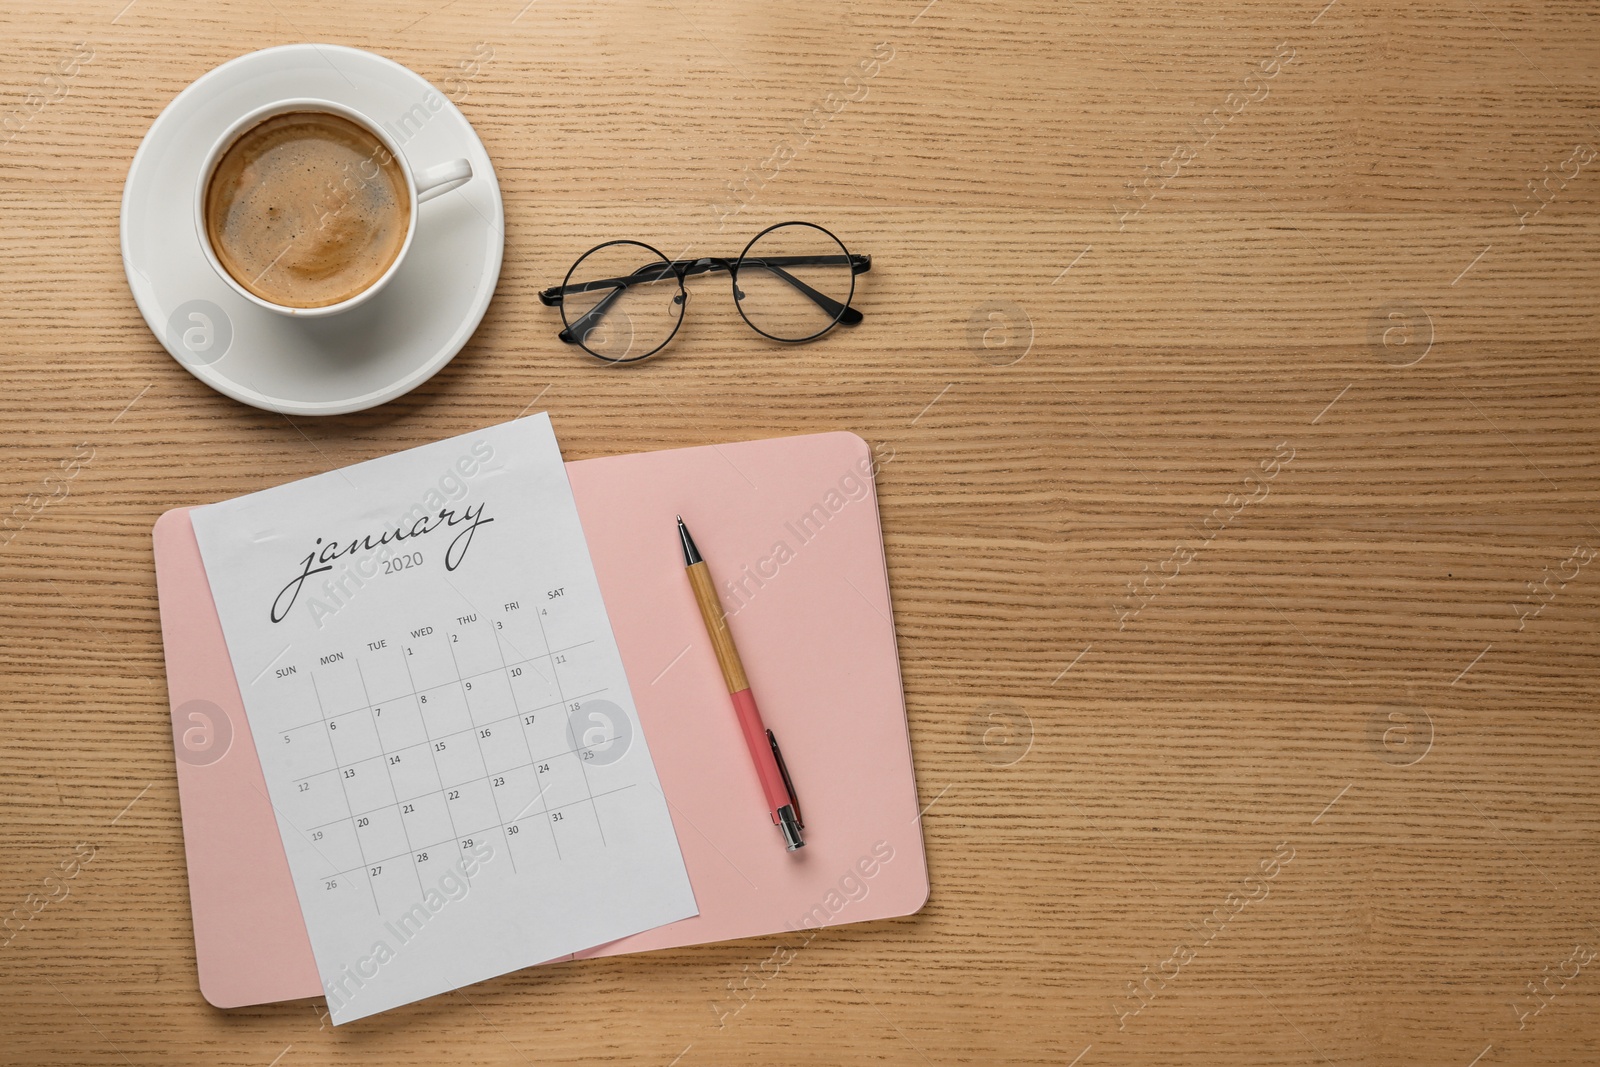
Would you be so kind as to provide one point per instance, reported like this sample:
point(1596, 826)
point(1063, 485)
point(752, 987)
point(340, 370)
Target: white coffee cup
point(421, 186)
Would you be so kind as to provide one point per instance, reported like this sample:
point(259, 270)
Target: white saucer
point(354, 360)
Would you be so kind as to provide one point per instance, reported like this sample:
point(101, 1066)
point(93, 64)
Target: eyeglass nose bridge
point(704, 265)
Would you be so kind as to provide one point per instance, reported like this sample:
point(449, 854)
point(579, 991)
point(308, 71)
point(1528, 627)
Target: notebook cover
point(790, 529)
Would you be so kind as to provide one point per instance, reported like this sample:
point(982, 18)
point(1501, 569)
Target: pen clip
point(788, 783)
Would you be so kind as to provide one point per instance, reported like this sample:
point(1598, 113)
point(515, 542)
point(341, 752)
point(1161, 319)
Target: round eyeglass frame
point(682, 297)
point(739, 303)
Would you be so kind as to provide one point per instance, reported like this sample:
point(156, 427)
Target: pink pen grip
point(755, 736)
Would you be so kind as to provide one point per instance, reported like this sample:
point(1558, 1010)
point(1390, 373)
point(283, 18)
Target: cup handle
point(436, 181)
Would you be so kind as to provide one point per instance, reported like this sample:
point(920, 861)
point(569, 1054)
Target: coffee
point(307, 209)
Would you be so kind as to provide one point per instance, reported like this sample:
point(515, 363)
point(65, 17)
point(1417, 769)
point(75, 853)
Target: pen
point(782, 802)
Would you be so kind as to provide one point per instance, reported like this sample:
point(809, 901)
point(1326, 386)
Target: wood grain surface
point(1240, 521)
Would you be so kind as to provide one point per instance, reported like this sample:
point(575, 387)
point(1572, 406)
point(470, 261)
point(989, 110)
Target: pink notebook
point(790, 529)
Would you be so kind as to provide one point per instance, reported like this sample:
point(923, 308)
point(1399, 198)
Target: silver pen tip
point(789, 824)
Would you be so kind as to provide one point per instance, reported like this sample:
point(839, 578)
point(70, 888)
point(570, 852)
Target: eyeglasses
point(793, 282)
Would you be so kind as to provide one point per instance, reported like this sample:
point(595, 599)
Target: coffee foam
point(307, 209)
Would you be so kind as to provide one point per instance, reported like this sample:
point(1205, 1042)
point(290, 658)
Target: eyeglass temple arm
point(847, 316)
point(579, 331)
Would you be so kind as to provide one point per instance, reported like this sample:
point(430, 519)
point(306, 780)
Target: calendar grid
point(457, 733)
point(523, 723)
point(465, 781)
point(432, 755)
point(477, 736)
point(486, 829)
point(334, 752)
point(404, 830)
point(283, 820)
point(468, 678)
point(537, 805)
point(522, 662)
point(556, 671)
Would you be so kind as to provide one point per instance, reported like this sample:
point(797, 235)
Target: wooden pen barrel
point(717, 626)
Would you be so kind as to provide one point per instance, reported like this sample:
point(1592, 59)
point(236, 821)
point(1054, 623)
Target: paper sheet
point(446, 731)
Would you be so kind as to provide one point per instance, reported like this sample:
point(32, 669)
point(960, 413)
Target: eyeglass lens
point(634, 313)
point(793, 282)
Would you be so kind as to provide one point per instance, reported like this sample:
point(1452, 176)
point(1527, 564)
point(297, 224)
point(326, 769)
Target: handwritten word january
point(427, 524)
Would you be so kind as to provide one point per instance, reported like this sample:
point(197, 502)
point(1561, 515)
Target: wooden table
point(1211, 341)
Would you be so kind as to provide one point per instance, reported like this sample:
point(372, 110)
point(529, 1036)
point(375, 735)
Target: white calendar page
point(446, 731)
